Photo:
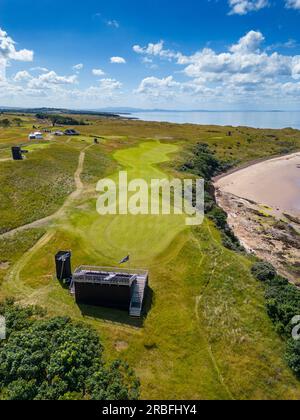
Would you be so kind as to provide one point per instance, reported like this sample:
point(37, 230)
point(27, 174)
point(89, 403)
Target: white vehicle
point(59, 133)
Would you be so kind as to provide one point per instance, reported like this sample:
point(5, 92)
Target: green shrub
point(53, 359)
point(263, 271)
point(283, 303)
point(292, 356)
point(219, 217)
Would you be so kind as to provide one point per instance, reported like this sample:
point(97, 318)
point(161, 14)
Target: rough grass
point(12, 248)
point(207, 334)
point(37, 186)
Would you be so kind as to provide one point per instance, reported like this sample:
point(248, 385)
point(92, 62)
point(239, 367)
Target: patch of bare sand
point(4, 265)
point(121, 346)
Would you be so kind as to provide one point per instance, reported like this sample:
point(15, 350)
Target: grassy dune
point(207, 334)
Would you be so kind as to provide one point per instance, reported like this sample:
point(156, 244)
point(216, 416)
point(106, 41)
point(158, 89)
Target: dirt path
point(73, 196)
point(13, 277)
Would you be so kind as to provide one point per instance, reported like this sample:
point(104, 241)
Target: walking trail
point(73, 196)
point(14, 275)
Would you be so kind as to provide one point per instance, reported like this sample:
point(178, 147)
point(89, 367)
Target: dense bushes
point(293, 356)
point(263, 271)
point(283, 304)
point(204, 164)
point(5, 123)
point(53, 359)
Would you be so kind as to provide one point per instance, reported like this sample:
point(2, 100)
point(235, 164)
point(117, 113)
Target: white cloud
point(245, 57)
point(40, 69)
point(249, 70)
point(249, 43)
point(40, 92)
point(151, 49)
point(242, 7)
point(113, 23)
point(51, 79)
point(8, 52)
point(78, 67)
point(106, 90)
point(110, 84)
point(147, 60)
point(22, 75)
point(98, 72)
point(166, 89)
point(245, 71)
point(155, 87)
point(156, 50)
point(118, 60)
point(8, 49)
point(2, 72)
point(293, 4)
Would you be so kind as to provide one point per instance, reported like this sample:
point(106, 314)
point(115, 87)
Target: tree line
point(60, 119)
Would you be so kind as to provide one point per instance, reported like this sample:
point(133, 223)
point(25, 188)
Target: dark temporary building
point(113, 288)
point(63, 265)
point(17, 153)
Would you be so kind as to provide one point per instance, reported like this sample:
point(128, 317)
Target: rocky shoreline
point(271, 234)
point(271, 238)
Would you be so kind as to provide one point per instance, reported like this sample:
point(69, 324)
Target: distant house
point(71, 133)
point(37, 135)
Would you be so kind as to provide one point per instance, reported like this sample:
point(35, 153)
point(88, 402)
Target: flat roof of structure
point(107, 276)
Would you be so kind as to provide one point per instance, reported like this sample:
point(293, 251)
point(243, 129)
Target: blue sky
point(207, 54)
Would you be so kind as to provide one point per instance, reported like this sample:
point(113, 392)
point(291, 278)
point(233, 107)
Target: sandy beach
point(273, 183)
point(262, 202)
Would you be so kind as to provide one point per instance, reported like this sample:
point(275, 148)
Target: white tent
point(35, 136)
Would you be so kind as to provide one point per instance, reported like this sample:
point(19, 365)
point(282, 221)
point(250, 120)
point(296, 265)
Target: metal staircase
point(137, 300)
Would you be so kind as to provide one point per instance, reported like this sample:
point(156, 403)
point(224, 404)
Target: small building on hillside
point(111, 287)
point(37, 135)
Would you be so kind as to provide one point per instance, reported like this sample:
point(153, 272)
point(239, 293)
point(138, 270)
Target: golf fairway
point(141, 236)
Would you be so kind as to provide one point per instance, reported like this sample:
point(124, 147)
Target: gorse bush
point(53, 359)
point(292, 356)
point(282, 304)
point(204, 164)
point(263, 271)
